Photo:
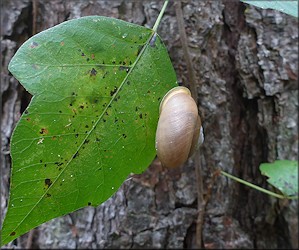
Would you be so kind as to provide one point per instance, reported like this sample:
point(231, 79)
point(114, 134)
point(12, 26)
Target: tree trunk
point(245, 62)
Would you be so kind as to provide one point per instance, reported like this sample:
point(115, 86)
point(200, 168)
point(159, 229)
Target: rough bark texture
point(245, 60)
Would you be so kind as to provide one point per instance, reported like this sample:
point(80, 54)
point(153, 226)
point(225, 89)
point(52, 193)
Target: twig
point(29, 239)
point(34, 14)
point(193, 89)
point(184, 41)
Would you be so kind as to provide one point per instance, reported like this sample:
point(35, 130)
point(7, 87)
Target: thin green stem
point(160, 16)
point(257, 187)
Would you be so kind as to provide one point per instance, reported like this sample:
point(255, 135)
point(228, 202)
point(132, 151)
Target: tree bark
point(245, 62)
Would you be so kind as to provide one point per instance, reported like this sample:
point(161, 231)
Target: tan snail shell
point(179, 130)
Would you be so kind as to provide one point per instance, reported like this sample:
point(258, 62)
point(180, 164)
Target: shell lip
point(172, 92)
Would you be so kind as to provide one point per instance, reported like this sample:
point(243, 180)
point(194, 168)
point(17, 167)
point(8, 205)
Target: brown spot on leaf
point(104, 75)
point(139, 50)
point(112, 92)
point(127, 69)
point(93, 72)
point(43, 131)
point(12, 234)
point(34, 66)
point(33, 45)
point(48, 182)
point(76, 155)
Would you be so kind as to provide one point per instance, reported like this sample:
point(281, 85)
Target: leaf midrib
point(73, 65)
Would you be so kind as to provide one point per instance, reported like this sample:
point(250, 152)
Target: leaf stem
point(160, 16)
point(201, 200)
point(257, 187)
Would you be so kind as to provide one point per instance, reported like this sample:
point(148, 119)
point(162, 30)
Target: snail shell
point(179, 131)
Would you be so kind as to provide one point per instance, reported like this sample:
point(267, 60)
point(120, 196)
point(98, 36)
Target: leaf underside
point(283, 174)
point(288, 7)
point(96, 83)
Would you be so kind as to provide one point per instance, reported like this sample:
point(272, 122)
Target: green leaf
point(288, 7)
point(283, 174)
point(97, 84)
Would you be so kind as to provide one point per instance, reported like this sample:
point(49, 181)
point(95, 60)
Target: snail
point(179, 131)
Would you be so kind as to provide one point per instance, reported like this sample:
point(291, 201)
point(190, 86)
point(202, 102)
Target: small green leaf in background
point(288, 7)
point(283, 174)
point(97, 83)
